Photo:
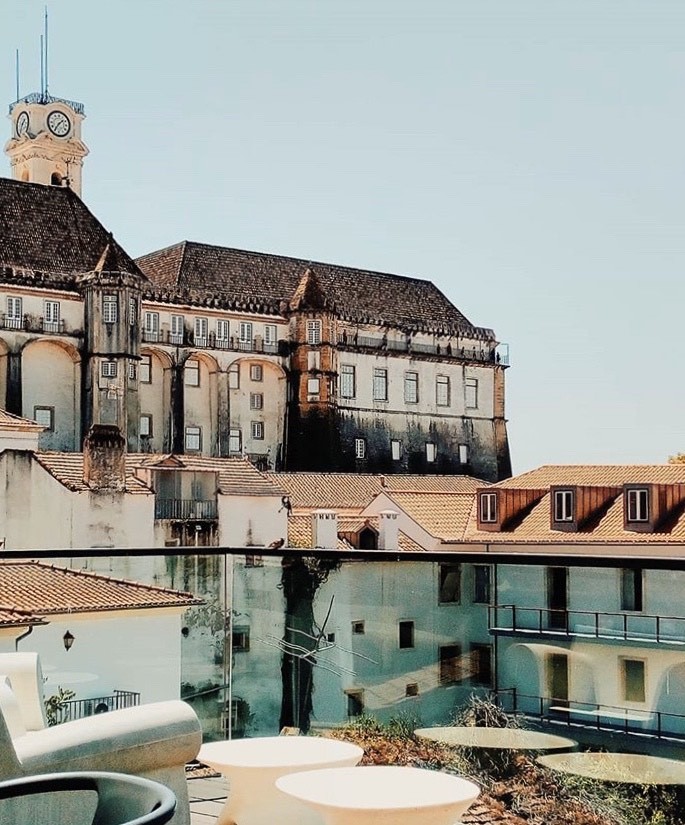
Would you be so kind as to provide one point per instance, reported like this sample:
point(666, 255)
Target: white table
point(382, 795)
point(511, 739)
point(253, 765)
point(633, 768)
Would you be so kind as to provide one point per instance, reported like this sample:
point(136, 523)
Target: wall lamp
point(68, 640)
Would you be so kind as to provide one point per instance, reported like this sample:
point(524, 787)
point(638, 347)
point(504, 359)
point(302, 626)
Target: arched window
point(56, 179)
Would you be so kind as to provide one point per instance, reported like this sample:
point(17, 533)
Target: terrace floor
point(207, 797)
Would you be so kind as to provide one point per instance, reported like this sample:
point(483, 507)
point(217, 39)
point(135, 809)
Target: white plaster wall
point(201, 403)
point(251, 520)
point(155, 398)
point(113, 520)
point(272, 415)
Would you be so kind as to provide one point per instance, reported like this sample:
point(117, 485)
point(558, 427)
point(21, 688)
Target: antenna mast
point(17, 72)
point(45, 89)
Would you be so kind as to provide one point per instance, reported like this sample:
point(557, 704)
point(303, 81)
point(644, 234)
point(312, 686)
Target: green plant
point(56, 705)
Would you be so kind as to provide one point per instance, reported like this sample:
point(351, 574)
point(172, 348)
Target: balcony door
point(557, 598)
point(557, 679)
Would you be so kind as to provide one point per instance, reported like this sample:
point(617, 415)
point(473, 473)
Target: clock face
point(22, 125)
point(58, 123)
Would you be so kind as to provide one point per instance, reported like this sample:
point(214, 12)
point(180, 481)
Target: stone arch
point(258, 397)
point(55, 179)
point(669, 698)
point(201, 402)
point(528, 668)
point(51, 386)
point(155, 372)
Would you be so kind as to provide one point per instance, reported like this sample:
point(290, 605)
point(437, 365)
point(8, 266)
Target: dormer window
point(637, 505)
point(563, 505)
point(487, 508)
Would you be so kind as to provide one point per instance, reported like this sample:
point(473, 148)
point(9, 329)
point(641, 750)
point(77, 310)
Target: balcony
point(212, 341)
point(511, 619)
point(180, 509)
point(497, 355)
point(80, 708)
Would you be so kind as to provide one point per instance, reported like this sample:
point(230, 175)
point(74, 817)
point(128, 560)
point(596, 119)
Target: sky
point(524, 155)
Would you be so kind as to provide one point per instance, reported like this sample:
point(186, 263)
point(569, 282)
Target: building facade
point(218, 351)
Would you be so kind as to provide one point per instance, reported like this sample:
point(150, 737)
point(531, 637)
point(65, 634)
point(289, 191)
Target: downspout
point(23, 636)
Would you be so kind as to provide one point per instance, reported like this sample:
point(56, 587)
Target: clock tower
point(46, 146)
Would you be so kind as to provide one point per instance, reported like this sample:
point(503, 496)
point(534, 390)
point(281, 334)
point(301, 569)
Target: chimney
point(387, 530)
point(104, 458)
point(325, 529)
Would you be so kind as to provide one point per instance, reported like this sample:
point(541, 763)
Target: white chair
point(153, 741)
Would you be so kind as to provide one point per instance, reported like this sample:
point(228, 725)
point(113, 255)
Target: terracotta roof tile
point(48, 236)
point(603, 475)
point(67, 468)
point(300, 532)
point(12, 617)
point(261, 282)
point(44, 589)
point(16, 422)
point(443, 515)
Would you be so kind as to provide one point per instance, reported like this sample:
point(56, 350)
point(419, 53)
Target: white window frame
point(380, 384)
point(189, 371)
point(360, 448)
point(245, 335)
point(192, 437)
point(637, 505)
point(145, 369)
point(152, 325)
point(411, 387)
point(487, 508)
point(564, 506)
point(396, 449)
point(108, 368)
point(145, 425)
point(270, 335)
point(234, 376)
point(132, 371)
point(314, 333)
point(463, 452)
point(235, 440)
point(201, 331)
point(442, 390)
point(257, 430)
point(223, 330)
point(256, 372)
point(110, 309)
point(471, 393)
point(313, 386)
point(348, 381)
point(256, 400)
point(431, 452)
point(177, 332)
point(41, 408)
point(51, 313)
point(132, 311)
point(14, 308)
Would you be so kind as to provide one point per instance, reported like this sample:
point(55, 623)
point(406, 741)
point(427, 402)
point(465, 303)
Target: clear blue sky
point(525, 155)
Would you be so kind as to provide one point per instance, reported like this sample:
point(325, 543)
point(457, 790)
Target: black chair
point(121, 799)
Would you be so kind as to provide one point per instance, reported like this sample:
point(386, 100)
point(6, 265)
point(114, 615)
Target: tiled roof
point(300, 532)
point(443, 515)
point(351, 491)
point(12, 617)
point(237, 476)
point(48, 236)
point(600, 475)
point(16, 422)
point(67, 468)
point(44, 589)
point(262, 282)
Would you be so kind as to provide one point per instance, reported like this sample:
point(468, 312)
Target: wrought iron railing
point(185, 509)
point(79, 708)
point(623, 626)
point(211, 341)
point(497, 355)
point(579, 714)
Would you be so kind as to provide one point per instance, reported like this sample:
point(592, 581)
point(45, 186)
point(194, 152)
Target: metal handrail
point(183, 509)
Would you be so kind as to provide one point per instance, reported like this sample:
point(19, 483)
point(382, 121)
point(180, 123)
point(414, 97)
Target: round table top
point(378, 788)
point(496, 738)
point(618, 767)
point(279, 752)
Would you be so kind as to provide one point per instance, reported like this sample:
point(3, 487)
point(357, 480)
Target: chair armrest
point(26, 678)
point(135, 740)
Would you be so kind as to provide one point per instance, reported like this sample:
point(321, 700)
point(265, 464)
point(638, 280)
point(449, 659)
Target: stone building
point(203, 349)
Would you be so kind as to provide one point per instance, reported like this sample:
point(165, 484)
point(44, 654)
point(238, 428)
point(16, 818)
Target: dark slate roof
point(261, 282)
point(48, 236)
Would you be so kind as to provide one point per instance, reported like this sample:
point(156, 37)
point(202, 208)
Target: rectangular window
point(222, 331)
point(348, 381)
point(257, 428)
point(481, 584)
point(355, 702)
point(430, 452)
point(191, 373)
point(463, 453)
point(235, 441)
point(240, 639)
point(256, 372)
point(177, 333)
point(314, 332)
point(396, 450)
point(487, 507)
point(411, 689)
point(633, 673)
point(246, 333)
point(406, 634)
point(631, 589)
point(359, 448)
point(471, 393)
point(380, 384)
point(145, 373)
point(51, 316)
point(193, 440)
point(110, 309)
point(145, 425)
point(132, 311)
point(481, 665)
point(45, 416)
point(450, 664)
point(314, 359)
point(108, 369)
point(450, 584)
point(201, 332)
point(358, 628)
point(151, 328)
point(313, 385)
point(132, 371)
point(234, 377)
point(411, 387)
point(637, 508)
point(270, 335)
point(256, 401)
point(442, 391)
point(563, 505)
point(14, 309)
